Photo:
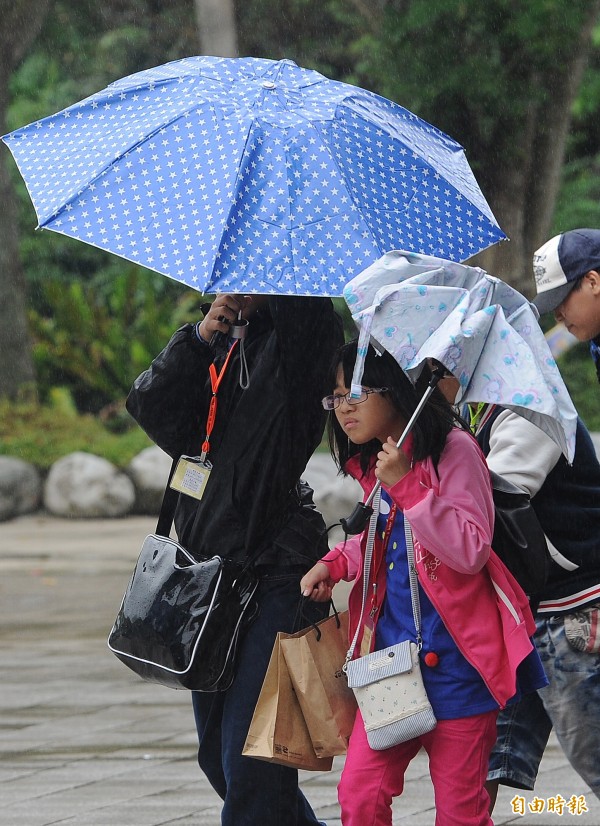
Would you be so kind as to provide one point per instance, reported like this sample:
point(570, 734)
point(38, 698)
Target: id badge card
point(191, 476)
point(367, 637)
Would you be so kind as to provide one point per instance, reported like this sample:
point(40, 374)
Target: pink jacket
point(451, 512)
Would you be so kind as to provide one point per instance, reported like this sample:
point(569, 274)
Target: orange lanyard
point(388, 527)
point(215, 382)
point(386, 538)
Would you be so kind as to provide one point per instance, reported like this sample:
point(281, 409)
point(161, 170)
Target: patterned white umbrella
point(482, 330)
point(251, 175)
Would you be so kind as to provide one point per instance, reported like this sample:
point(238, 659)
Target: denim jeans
point(570, 704)
point(254, 792)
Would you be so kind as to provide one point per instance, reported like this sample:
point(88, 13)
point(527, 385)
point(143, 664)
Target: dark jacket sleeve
point(168, 400)
point(308, 332)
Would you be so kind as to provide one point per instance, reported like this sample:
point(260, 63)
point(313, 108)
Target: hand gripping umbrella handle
point(357, 521)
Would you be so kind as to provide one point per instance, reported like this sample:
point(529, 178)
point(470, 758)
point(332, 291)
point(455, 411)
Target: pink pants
point(458, 763)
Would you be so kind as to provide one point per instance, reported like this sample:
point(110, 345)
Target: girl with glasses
point(476, 621)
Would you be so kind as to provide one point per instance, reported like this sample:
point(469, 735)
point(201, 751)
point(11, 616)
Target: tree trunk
point(507, 192)
point(217, 27)
point(20, 23)
point(554, 122)
point(529, 164)
point(17, 375)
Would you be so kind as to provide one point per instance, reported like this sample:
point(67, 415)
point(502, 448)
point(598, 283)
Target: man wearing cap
point(567, 280)
point(566, 500)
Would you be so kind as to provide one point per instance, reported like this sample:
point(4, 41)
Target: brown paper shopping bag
point(314, 657)
point(278, 732)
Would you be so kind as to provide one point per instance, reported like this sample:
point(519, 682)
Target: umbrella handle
point(358, 519)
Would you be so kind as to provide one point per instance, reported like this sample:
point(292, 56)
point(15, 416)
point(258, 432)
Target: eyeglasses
point(331, 402)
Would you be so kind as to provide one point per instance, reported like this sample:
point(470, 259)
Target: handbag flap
point(396, 659)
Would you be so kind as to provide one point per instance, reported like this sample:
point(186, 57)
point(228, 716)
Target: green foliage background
point(42, 434)
point(97, 321)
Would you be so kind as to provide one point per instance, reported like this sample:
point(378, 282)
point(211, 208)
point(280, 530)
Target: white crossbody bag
point(388, 684)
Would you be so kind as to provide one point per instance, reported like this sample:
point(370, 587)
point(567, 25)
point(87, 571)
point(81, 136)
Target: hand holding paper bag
point(278, 732)
point(314, 658)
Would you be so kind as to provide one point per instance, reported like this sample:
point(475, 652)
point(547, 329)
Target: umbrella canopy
point(251, 175)
point(482, 330)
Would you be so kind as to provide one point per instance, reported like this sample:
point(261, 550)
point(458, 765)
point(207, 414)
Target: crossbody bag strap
point(366, 570)
point(168, 505)
point(412, 572)
point(414, 582)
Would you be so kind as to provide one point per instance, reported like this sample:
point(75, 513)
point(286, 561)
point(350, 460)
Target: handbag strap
point(168, 505)
point(412, 573)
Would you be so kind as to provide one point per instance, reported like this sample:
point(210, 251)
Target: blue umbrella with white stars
point(251, 175)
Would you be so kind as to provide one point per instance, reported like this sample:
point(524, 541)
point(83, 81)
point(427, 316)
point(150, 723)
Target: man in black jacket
point(254, 418)
point(566, 500)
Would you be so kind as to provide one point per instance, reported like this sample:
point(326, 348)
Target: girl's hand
point(317, 584)
point(392, 463)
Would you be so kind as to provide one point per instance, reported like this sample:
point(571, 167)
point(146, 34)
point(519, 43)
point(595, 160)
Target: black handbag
point(518, 538)
point(181, 619)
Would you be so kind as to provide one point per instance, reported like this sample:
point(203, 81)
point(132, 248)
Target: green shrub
point(96, 336)
point(42, 434)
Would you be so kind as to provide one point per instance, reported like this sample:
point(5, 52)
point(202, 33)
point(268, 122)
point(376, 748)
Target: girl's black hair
point(431, 428)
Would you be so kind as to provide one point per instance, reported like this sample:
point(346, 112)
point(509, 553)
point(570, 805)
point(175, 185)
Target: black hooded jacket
point(262, 438)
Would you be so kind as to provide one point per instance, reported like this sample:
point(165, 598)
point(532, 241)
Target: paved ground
point(84, 742)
